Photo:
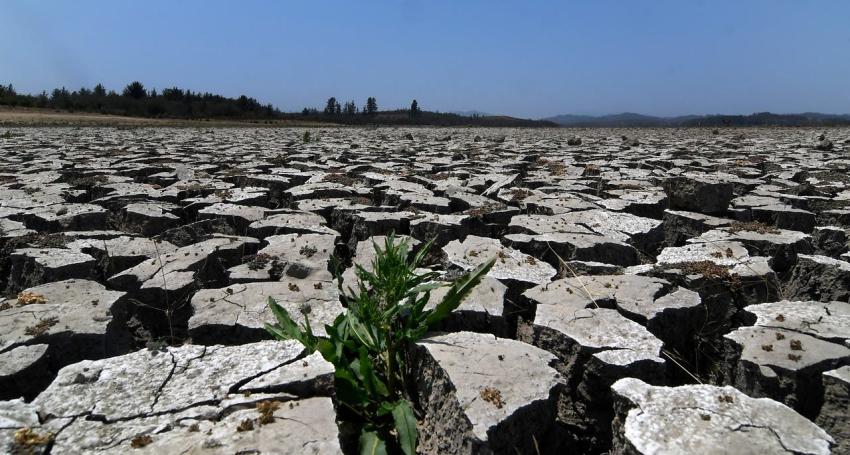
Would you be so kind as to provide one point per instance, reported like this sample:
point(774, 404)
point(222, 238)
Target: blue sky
point(530, 58)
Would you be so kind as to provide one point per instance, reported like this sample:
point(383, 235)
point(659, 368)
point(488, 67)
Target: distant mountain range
point(629, 119)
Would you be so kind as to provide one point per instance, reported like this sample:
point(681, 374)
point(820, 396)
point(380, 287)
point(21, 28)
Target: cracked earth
point(655, 290)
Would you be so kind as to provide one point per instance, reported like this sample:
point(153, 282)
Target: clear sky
point(529, 58)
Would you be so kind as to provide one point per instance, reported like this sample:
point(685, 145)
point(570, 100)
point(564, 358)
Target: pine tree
point(371, 106)
point(330, 107)
point(135, 90)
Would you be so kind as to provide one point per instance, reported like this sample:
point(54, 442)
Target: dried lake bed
point(655, 290)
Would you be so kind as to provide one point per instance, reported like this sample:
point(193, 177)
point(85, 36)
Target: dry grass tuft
point(31, 298)
point(493, 396)
point(27, 437)
point(266, 410)
point(41, 327)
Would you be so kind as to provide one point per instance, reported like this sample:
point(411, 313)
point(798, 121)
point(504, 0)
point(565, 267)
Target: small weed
point(796, 345)
point(277, 269)
point(259, 261)
point(266, 410)
point(369, 344)
point(794, 357)
point(308, 251)
point(245, 425)
point(294, 287)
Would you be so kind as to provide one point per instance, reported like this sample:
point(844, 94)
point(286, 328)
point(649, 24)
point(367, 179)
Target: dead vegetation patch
point(27, 438)
point(266, 410)
point(492, 396)
point(709, 270)
point(478, 212)
point(30, 298)
point(141, 441)
point(591, 169)
point(34, 240)
point(440, 176)
point(259, 261)
point(554, 167)
point(224, 194)
point(338, 177)
point(308, 251)
point(518, 194)
point(41, 327)
point(753, 226)
point(89, 181)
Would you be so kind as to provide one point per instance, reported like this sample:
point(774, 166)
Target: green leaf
point(372, 444)
point(405, 425)
point(367, 375)
point(385, 408)
point(421, 254)
point(286, 326)
point(459, 290)
point(426, 287)
point(362, 332)
point(276, 332)
point(328, 350)
point(348, 389)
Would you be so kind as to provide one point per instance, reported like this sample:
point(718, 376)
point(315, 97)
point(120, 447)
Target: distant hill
point(175, 103)
point(472, 113)
point(629, 119)
point(402, 117)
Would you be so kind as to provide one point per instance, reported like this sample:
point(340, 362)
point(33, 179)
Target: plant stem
point(389, 364)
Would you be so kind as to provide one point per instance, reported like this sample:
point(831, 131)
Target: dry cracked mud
point(656, 291)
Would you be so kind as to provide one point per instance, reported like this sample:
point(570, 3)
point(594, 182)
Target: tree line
point(136, 100)
point(349, 109)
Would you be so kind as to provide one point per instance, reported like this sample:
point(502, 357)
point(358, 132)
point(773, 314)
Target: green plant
point(306, 137)
point(369, 344)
